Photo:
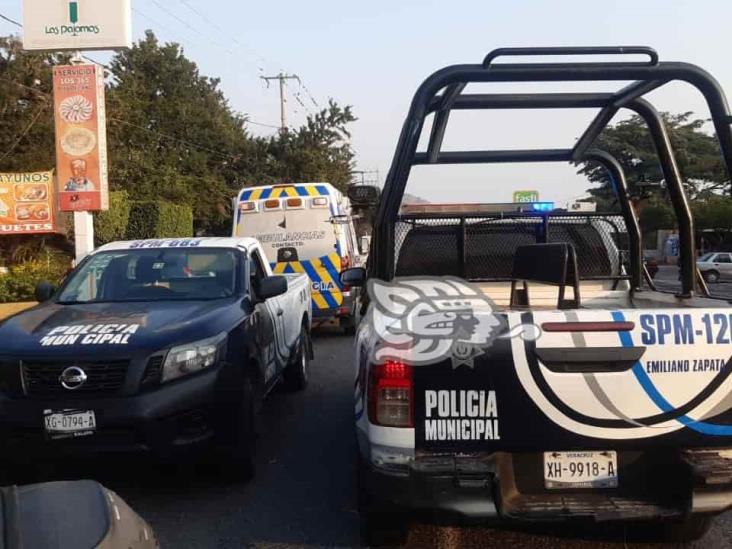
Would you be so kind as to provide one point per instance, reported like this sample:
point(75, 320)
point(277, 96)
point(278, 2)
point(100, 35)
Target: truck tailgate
point(593, 379)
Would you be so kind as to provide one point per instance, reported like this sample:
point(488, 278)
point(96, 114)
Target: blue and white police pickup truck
point(514, 365)
point(156, 345)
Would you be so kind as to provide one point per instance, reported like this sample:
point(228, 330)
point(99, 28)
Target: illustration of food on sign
point(76, 109)
point(30, 193)
point(78, 141)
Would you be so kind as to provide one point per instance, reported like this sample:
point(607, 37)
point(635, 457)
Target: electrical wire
point(9, 20)
point(216, 26)
point(28, 128)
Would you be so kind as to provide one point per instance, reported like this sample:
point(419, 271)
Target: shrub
point(159, 219)
point(19, 283)
point(112, 224)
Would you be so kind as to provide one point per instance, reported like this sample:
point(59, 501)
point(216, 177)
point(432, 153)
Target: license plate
point(580, 469)
point(69, 423)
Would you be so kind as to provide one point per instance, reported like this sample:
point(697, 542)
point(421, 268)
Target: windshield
point(706, 257)
point(153, 275)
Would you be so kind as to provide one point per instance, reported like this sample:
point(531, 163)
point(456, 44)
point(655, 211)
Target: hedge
point(20, 283)
point(159, 219)
point(112, 224)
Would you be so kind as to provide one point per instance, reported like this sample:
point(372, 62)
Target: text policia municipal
point(461, 415)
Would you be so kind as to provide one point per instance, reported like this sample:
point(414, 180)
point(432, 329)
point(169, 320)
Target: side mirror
point(272, 286)
point(355, 276)
point(44, 291)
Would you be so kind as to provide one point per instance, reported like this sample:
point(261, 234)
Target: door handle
point(280, 312)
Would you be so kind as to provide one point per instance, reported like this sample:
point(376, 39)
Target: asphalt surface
point(667, 280)
point(303, 493)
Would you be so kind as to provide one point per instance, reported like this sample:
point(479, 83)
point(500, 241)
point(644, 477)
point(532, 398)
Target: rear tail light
point(391, 395)
point(294, 203)
point(272, 204)
point(588, 326)
point(320, 202)
point(345, 264)
point(247, 207)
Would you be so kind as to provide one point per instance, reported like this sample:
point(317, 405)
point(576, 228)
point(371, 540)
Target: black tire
point(379, 527)
point(348, 325)
point(297, 375)
point(711, 277)
point(239, 453)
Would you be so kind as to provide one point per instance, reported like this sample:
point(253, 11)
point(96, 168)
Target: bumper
point(501, 486)
point(465, 497)
point(174, 417)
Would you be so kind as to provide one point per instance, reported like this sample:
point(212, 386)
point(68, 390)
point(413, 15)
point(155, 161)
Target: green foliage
point(171, 134)
point(713, 213)
point(159, 219)
point(112, 224)
point(319, 151)
point(20, 283)
point(697, 154)
point(657, 216)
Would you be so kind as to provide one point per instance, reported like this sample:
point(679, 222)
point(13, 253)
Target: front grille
point(153, 371)
point(43, 378)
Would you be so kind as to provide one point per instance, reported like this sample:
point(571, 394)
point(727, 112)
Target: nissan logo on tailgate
point(72, 378)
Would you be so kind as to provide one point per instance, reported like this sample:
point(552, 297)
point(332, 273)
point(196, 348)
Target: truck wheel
point(380, 527)
point(239, 456)
point(297, 374)
point(711, 276)
point(348, 325)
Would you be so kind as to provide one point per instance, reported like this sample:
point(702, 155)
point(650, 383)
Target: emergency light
point(543, 206)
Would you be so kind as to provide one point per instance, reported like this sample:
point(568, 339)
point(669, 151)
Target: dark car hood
point(114, 328)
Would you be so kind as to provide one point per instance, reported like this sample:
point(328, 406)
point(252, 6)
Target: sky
point(373, 55)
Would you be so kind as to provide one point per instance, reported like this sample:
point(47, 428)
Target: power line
point(32, 123)
point(246, 121)
point(9, 20)
point(216, 26)
point(194, 29)
point(282, 78)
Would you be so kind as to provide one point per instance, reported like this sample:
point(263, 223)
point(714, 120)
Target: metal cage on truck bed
point(482, 246)
point(443, 92)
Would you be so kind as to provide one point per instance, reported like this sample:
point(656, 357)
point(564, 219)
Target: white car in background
point(715, 266)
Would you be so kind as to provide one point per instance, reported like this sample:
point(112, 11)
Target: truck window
point(256, 271)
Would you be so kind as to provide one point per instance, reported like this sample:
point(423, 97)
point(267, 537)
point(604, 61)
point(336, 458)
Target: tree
point(697, 154)
point(26, 107)
point(319, 151)
point(171, 132)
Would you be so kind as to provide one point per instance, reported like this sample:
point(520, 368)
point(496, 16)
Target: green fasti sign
point(526, 196)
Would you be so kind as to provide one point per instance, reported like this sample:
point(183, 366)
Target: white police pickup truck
point(157, 345)
point(513, 365)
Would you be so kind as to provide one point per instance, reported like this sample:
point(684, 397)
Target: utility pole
point(281, 77)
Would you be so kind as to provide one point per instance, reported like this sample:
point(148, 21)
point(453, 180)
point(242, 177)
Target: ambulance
point(305, 228)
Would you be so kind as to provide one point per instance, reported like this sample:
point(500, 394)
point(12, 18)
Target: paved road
point(303, 493)
point(667, 280)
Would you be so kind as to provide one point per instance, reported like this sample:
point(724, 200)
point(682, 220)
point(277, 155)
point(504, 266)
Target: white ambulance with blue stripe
point(304, 228)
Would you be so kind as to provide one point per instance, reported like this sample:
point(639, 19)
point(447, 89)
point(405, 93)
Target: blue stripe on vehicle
point(289, 269)
point(659, 400)
point(266, 192)
point(245, 195)
point(313, 274)
point(335, 275)
point(302, 191)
